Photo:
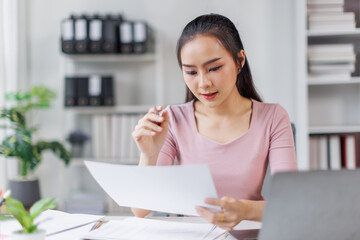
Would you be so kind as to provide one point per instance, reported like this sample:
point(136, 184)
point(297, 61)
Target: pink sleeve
point(282, 155)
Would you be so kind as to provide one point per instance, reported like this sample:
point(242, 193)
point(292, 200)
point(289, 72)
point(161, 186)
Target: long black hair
point(225, 31)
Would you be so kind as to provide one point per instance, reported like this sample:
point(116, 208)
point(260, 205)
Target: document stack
point(331, 62)
point(111, 137)
point(329, 15)
point(107, 34)
point(93, 90)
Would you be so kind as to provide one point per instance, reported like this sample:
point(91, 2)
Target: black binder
point(67, 35)
point(126, 37)
point(83, 86)
point(95, 90)
point(108, 89)
point(141, 37)
point(82, 35)
point(96, 26)
point(70, 92)
point(111, 33)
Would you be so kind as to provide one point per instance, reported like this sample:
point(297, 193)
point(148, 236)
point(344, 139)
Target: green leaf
point(42, 205)
point(16, 208)
point(32, 228)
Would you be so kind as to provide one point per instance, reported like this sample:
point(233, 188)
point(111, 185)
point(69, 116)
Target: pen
point(6, 195)
point(96, 225)
point(157, 113)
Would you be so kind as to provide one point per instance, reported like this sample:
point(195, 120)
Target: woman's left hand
point(233, 212)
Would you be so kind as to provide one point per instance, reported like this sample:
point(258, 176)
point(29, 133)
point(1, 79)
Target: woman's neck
point(232, 106)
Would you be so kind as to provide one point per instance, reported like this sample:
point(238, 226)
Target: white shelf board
point(124, 161)
point(109, 109)
point(333, 129)
point(353, 80)
point(327, 33)
point(111, 57)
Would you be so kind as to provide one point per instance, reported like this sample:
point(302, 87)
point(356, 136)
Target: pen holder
point(26, 190)
point(77, 150)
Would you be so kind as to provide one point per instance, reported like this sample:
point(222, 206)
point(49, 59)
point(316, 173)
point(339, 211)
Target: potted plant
point(19, 143)
point(26, 219)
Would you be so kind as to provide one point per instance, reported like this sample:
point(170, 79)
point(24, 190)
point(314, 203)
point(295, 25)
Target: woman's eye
point(215, 68)
point(191, 72)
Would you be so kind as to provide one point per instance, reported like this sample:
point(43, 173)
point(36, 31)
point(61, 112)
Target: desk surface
point(244, 230)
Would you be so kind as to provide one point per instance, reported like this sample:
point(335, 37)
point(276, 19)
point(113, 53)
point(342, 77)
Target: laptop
point(321, 205)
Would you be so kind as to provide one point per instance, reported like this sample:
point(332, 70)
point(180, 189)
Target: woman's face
point(209, 70)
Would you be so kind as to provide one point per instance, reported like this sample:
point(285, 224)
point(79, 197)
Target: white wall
point(265, 26)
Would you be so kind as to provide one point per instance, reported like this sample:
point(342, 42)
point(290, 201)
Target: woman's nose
point(204, 82)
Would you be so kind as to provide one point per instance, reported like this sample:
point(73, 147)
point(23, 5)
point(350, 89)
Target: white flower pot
point(20, 235)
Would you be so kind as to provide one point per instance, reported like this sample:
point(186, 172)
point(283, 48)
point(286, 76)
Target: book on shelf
point(133, 150)
point(112, 139)
point(97, 136)
point(96, 26)
point(350, 153)
point(92, 90)
point(106, 136)
point(115, 135)
point(325, 2)
point(331, 62)
point(332, 68)
point(125, 139)
point(314, 153)
point(332, 58)
point(333, 77)
point(334, 151)
point(81, 34)
point(335, 27)
point(323, 153)
point(330, 48)
point(331, 17)
point(335, 8)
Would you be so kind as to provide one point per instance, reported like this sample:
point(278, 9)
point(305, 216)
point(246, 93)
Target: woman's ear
point(241, 56)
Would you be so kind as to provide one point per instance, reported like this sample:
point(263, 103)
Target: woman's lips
point(209, 96)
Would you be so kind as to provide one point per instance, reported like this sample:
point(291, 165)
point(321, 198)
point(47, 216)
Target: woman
point(223, 123)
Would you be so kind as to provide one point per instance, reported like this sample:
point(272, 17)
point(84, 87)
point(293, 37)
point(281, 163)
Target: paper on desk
point(144, 229)
point(172, 189)
point(53, 222)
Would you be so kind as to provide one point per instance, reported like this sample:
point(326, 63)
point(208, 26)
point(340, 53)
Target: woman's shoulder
point(269, 109)
point(178, 112)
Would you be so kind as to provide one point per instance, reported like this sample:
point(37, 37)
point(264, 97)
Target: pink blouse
point(237, 167)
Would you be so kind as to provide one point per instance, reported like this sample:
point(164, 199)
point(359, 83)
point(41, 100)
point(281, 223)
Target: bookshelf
point(138, 85)
point(327, 107)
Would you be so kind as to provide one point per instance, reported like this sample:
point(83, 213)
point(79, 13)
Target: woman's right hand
point(150, 134)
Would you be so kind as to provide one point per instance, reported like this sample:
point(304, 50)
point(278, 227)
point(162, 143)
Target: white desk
point(76, 233)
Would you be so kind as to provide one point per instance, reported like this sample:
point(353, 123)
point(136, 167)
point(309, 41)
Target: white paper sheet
point(172, 189)
point(53, 221)
point(144, 229)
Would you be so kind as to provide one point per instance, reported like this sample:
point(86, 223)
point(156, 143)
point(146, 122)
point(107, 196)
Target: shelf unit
point(326, 107)
point(138, 85)
point(331, 104)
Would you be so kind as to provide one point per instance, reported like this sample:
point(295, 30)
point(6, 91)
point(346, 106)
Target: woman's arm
point(233, 211)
